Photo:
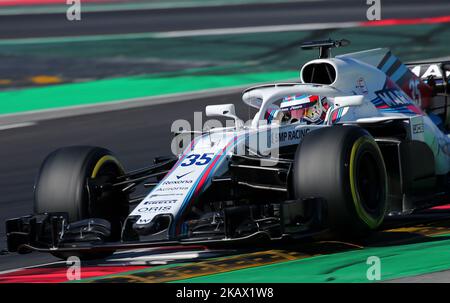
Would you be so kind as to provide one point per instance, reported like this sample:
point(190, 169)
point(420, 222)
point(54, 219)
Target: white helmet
point(307, 108)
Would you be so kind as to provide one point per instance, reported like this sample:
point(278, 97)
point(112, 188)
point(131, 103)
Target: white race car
point(358, 138)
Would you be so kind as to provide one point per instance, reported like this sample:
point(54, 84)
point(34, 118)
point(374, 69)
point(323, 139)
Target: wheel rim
point(109, 204)
point(366, 168)
point(368, 182)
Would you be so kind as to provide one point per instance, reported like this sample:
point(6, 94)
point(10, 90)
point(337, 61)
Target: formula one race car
point(359, 138)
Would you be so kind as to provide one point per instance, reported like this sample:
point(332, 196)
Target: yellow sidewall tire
point(371, 221)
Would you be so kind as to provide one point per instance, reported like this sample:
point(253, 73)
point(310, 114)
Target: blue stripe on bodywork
point(388, 64)
point(399, 73)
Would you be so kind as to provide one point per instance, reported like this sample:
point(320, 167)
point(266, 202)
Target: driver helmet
point(305, 108)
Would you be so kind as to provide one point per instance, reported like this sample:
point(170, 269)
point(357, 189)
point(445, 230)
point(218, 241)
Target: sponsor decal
point(159, 202)
point(361, 87)
point(165, 195)
point(418, 128)
point(393, 97)
point(290, 135)
point(154, 209)
point(177, 182)
point(156, 206)
point(424, 71)
point(172, 188)
point(181, 176)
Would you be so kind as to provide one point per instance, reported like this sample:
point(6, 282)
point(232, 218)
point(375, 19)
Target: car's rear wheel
point(344, 166)
point(62, 186)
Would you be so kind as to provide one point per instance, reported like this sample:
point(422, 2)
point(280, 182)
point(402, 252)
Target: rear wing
point(427, 83)
point(434, 73)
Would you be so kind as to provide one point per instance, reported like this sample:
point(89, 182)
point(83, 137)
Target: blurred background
point(150, 40)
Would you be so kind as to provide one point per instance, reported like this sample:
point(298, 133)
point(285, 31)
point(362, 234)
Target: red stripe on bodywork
point(383, 106)
point(205, 176)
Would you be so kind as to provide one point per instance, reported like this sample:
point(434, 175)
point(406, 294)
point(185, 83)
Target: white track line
point(16, 125)
point(30, 267)
point(256, 29)
point(181, 34)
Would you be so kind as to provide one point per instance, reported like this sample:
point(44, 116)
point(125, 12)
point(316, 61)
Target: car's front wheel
point(62, 186)
point(344, 166)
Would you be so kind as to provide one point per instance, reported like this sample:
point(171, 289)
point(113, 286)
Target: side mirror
point(223, 110)
point(348, 101)
point(340, 102)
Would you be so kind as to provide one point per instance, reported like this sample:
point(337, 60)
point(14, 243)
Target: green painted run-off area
point(395, 262)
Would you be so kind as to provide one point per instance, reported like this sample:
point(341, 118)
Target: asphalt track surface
point(137, 135)
point(138, 21)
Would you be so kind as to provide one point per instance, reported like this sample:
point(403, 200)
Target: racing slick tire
point(344, 166)
point(61, 186)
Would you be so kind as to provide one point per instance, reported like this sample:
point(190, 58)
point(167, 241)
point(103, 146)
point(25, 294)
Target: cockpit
point(309, 109)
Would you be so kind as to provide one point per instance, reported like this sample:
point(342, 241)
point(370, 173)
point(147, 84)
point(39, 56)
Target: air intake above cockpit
point(319, 73)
